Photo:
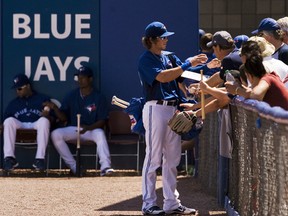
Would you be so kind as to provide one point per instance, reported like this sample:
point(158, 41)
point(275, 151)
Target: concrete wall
point(238, 16)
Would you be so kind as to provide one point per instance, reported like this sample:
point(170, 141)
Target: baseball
point(47, 108)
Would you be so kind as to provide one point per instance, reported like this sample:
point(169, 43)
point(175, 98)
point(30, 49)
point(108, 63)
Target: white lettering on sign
point(44, 67)
point(37, 28)
point(77, 62)
point(54, 29)
point(78, 22)
point(22, 27)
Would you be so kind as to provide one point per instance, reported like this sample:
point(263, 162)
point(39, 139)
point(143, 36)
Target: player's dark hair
point(147, 41)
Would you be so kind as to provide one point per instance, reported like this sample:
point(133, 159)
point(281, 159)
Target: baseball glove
point(182, 122)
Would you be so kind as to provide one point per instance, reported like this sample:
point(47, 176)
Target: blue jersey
point(150, 65)
point(92, 107)
point(26, 109)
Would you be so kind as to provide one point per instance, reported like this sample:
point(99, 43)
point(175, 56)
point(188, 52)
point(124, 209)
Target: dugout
point(48, 40)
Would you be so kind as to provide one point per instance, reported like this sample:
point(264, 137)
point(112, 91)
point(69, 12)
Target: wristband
point(186, 65)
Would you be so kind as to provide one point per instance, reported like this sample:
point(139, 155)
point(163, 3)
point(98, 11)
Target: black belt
point(167, 103)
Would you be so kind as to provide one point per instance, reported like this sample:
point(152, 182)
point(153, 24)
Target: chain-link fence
point(258, 180)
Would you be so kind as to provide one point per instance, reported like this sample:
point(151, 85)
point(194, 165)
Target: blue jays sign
point(48, 40)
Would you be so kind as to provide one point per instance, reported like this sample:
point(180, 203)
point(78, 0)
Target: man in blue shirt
point(272, 32)
point(92, 106)
point(160, 77)
point(26, 111)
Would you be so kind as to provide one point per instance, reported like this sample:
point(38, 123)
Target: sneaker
point(182, 210)
point(10, 163)
point(39, 165)
point(107, 172)
point(154, 210)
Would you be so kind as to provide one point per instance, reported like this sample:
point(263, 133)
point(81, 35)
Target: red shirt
point(277, 94)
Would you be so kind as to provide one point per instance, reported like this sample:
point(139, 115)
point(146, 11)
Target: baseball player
point(163, 146)
point(26, 111)
point(92, 106)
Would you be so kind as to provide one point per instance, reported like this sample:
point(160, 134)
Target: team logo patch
point(170, 63)
point(16, 80)
point(91, 107)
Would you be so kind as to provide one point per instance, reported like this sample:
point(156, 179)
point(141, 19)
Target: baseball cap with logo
point(20, 80)
point(221, 38)
point(85, 71)
point(267, 24)
point(238, 40)
point(157, 29)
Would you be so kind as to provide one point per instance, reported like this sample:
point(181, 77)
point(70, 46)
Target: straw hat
point(266, 48)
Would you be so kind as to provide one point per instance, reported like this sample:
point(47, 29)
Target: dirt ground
point(33, 194)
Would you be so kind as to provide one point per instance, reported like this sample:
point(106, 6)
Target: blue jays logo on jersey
point(27, 112)
point(91, 107)
point(169, 63)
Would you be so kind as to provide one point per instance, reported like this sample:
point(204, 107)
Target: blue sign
point(48, 41)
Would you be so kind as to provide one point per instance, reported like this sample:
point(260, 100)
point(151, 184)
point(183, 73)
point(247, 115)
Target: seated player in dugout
point(91, 105)
point(26, 111)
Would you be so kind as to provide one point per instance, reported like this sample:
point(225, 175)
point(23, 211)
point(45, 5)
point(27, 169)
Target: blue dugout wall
point(48, 40)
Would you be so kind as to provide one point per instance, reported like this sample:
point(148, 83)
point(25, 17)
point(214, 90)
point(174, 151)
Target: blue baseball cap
point(238, 40)
point(201, 33)
point(20, 80)
point(157, 29)
point(267, 24)
point(85, 71)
